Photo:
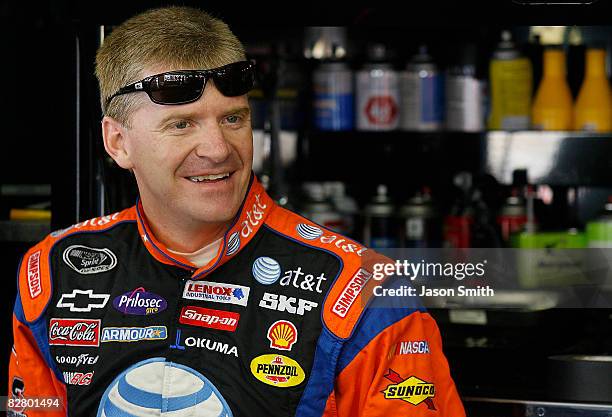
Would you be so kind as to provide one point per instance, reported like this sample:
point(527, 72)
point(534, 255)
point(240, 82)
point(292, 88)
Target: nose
point(213, 145)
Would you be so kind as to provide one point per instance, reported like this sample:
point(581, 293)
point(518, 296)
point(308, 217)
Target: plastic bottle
point(593, 110)
point(552, 107)
point(510, 86)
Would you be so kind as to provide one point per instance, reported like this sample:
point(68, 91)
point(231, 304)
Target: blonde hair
point(174, 37)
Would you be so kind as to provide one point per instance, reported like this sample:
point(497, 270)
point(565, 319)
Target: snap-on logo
point(350, 292)
point(34, 284)
point(86, 260)
point(210, 318)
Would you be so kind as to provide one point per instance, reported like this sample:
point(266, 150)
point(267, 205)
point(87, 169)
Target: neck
point(182, 237)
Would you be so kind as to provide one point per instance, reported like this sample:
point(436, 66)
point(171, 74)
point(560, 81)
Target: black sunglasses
point(186, 86)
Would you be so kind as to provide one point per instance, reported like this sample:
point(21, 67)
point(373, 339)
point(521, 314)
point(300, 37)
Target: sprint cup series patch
point(413, 390)
point(277, 370)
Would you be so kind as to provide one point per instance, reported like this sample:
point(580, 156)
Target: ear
point(114, 135)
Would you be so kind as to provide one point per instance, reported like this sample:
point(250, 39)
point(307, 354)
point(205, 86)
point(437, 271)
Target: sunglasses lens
point(176, 88)
point(235, 79)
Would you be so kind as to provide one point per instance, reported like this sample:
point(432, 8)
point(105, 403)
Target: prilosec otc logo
point(139, 302)
point(145, 390)
point(413, 390)
point(277, 370)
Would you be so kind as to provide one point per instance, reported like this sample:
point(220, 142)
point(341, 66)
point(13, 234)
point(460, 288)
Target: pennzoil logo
point(282, 335)
point(277, 370)
point(413, 390)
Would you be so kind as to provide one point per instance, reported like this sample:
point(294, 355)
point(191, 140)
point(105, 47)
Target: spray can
point(319, 208)
point(511, 85)
point(465, 108)
point(377, 92)
point(379, 224)
point(422, 94)
point(333, 97)
point(421, 226)
point(512, 217)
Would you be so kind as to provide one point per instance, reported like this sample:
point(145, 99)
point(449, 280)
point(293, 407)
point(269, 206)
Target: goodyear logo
point(413, 390)
point(277, 370)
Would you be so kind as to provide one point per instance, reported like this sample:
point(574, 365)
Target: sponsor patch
point(86, 260)
point(18, 397)
point(266, 270)
point(253, 217)
point(350, 292)
point(208, 344)
point(216, 292)
point(282, 335)
point(233, 244)
point(277, 370)
point(82, 301)
point(209, 318)
point(78, 378)
point(289, 304)
point(74, 332)
point(133, 334)
point(413, 390)
point(139, 302)
point(308, 232)
point(298, 279)
point(34, 283)
point(409, 347)
point(77, 360)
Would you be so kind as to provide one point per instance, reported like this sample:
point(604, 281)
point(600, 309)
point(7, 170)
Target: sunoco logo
point(412, 390)
point(86, 260)
point(277, 370)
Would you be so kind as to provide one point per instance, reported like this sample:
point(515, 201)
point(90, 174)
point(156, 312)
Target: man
point(206, 298)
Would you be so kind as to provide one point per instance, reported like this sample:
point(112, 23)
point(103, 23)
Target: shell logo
point(277, 370)
point(282, 335)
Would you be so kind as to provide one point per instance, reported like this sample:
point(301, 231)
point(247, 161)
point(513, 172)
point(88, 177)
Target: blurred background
point(445, 124)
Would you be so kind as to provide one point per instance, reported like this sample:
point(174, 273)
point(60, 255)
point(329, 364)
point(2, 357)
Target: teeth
point(201, 178)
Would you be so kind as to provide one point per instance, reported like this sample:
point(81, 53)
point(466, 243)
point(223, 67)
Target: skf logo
point(282, 335)
point(277, 370)
point(412, 390)
point(283, 303)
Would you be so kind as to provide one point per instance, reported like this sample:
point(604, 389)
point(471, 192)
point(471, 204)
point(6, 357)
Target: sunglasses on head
point(186, 86)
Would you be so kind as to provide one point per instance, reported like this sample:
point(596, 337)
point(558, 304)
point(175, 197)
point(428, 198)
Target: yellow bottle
point(552, 107)
point(511, 84)
point(593, 110)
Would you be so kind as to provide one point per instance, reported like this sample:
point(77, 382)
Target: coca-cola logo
point(74, 332)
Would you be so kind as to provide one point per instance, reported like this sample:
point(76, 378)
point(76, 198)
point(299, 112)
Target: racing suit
point(112, 324)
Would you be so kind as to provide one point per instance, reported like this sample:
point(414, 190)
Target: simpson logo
point(86, 260)
point(410, 347)
point(282, 335)
point(74, 332)
point(277, 370)
point(350, 292)
point(412, 390)
point(133, 334)
point(139, 302)
point(216, 292)
point(78, 378)
point(209, 318)
point(93, 300)
point(34, 284)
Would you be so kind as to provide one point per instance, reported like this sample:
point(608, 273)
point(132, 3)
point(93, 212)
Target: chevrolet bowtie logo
point(93, 300)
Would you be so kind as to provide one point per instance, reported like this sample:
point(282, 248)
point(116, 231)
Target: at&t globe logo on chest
point(139, 302)
point(156, 387)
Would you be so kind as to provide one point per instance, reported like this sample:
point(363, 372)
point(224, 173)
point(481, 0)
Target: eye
point(181, 124)
point(232, 119)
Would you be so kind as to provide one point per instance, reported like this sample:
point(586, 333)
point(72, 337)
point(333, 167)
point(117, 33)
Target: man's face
point(192, 162)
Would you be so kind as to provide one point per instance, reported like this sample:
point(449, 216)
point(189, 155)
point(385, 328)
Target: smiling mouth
point(209, 178)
